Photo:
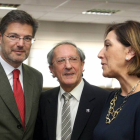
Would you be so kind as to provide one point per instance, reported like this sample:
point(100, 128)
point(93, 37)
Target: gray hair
point(51, 53)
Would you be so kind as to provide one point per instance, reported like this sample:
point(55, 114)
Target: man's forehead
point(19, 28)
point(65, 47)
point(65, 51)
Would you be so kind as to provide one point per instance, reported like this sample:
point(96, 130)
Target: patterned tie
point(66, 119)
point(19, 96)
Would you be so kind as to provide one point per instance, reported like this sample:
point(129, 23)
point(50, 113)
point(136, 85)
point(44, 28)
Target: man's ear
point(83, 63)
point(130, 53)
point(52, 70)
point(0, 38)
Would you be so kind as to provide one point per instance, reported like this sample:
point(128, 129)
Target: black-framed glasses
point(62, 60)
point(16, 38)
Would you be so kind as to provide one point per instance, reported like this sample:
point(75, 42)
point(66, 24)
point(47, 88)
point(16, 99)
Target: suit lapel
point(28, 80)
point(7, 94)
point(86, 106)
point(52, 113)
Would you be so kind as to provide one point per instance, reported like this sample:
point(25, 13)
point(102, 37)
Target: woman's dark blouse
point(126, 126)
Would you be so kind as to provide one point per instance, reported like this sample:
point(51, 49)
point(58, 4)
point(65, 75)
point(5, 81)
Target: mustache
point(19, 49)
point(68, 72)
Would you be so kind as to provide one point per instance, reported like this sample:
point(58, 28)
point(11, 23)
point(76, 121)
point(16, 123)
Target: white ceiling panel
point(54, 15)
point(12, 1)
point(118, 1)
point(126, 14)
point(37, 15)
point(116, 6)
point(71, 10)
point(3, 12)
point(81, 4)
point(44, 2)
point(35, 8)
point(136, 8)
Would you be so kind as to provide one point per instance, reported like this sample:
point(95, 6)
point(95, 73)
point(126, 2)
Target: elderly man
point(72, 110)
point(20, 85)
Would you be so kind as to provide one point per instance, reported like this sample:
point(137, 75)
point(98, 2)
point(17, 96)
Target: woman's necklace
point(112, 114)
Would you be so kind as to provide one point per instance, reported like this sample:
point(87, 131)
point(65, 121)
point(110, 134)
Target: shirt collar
point(7, 67)
point(76, 92)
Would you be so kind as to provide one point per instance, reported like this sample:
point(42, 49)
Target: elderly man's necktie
point(66, 118)
point(19, 96)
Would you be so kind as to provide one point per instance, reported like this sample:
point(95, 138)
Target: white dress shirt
point(8, 70)
point(74, 103)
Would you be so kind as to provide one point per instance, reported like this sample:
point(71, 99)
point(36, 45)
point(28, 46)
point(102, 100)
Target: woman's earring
point(126, 58)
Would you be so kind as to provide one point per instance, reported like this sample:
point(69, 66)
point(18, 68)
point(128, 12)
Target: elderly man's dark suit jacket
point(92, 98)
point(10, 122)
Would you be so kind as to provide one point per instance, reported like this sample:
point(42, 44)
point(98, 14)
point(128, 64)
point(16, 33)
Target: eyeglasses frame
point(32, 41)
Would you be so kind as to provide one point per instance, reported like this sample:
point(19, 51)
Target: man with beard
point(20, 85)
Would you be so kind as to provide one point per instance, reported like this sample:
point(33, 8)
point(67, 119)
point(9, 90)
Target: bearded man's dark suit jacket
point(92, 98)
point(10, 122)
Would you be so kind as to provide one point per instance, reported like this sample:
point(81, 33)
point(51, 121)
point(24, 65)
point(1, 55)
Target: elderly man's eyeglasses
point(16, 38)
point(62, 60)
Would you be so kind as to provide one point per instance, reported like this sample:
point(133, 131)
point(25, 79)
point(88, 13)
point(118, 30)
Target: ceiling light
point(9, 6)
point(100, 12)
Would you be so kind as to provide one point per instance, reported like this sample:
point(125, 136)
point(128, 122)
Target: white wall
point(88, 37)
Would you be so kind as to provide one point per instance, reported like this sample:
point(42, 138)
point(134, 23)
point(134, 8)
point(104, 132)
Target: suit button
point(19, 126)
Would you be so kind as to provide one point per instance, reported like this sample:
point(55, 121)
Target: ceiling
point(71, 10)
